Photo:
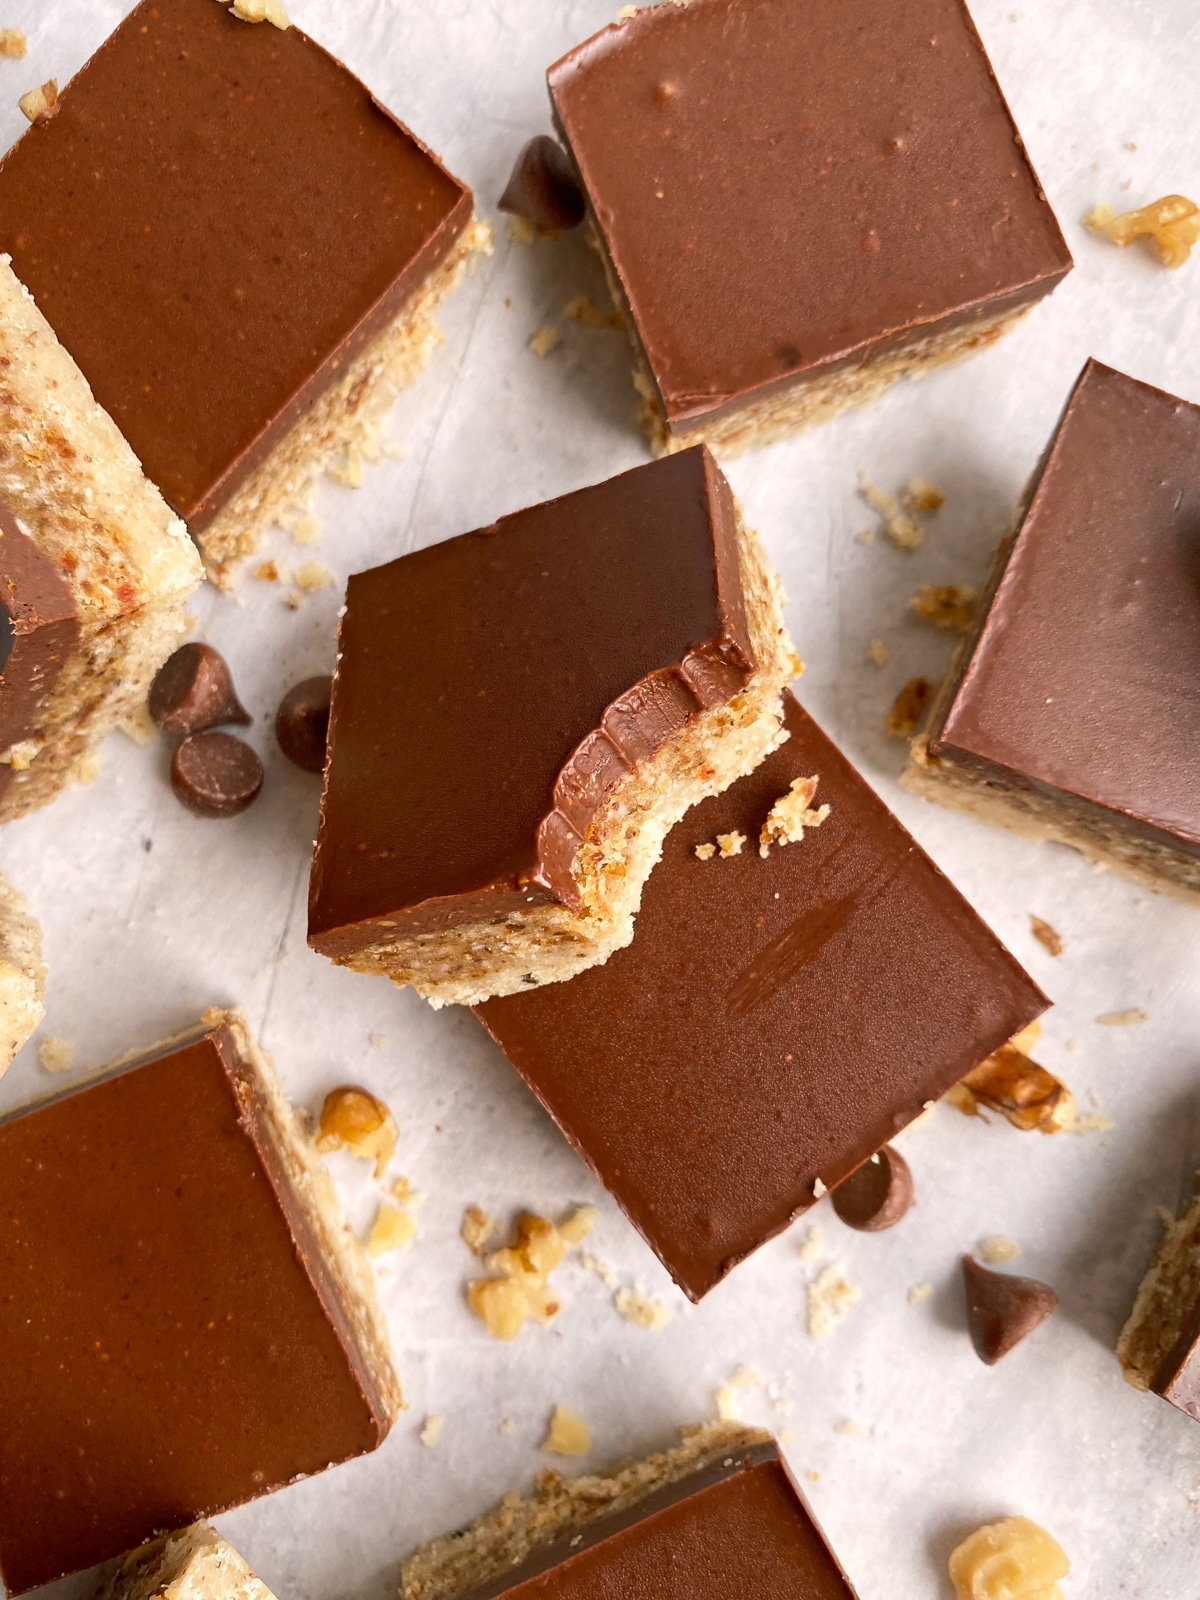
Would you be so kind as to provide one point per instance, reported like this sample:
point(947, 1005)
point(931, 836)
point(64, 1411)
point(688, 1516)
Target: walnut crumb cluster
point(272, 11)
point(642, 1310)
point(1009, 1560)
point(791, 814)
point(12, 43)
point(831, 1298)
point(946, 605)
point(518, 1292)
point(41, 104)
point(395, 1226)
point(568, 1434)
point(353, 1119)
point(1172, 223)
point(899, 516)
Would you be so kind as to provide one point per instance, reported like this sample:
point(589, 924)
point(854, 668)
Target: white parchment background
point(150, 915)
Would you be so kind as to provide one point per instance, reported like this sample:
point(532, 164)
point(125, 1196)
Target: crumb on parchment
point(518, 1291)
point(12, 43)
point(1046, 936)
point(997, 1249)
point(831, 1298)
point(642, 1310)
point(56, 1055)
point(908, 708)
point(545, 340)
point(946, 605)
point(568, 1434)
point(791, 814)
point(1172, 223)
point(431, 1431)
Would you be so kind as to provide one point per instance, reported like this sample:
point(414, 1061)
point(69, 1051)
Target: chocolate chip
point(193, 690)
point(543, 188)
point(877, 1195)
point(302, 723)
point(1002, 1309)
point(216, 774)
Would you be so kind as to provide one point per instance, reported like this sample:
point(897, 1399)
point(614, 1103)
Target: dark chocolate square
point(784, 188)
point(171, 1342)
point(774, 1022)
point(215, 222)
point(1083, 683)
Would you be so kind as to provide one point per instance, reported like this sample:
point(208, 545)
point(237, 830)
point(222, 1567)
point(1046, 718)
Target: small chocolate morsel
point(877, 1194)
point(543, 188)
point(1002, 1309)
point(193, 690)
point(302, 723)
point(216, 774)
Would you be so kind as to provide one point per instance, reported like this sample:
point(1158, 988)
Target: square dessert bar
point(186, 1322)
point(1073, 710)
point(195, 1564)
point(94, 570)
point(1159, 1347)
point(799, 203)
point(519, 716)
point(719, 1516)
point(22, 975)
point(242, 250)
point(775, 1021)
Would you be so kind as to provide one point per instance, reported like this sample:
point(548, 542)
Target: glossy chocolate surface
point(38, 630)
point(1084, 680)
point(490, 689)
point(773, 1022)
point(215, 222)
point(170, 1341)
point(782, 186)
point(737, 1528)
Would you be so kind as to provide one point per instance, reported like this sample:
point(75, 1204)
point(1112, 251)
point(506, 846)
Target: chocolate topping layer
point(38, 631)
point(737, 1528)
point(215, 223)
point(490, 690)
point(1082, 681)
point(171, 1341)
point(783, 186)
point(1178, 1376)
point(774, 1021)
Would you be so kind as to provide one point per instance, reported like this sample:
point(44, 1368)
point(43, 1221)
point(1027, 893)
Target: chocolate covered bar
point(194, 1564)
point(1072, 712)
point(1159, 1347)
point(718, 1516)
point(520, 714)
point(94, 570)
point(22, 975)
point(776, 1020)
point(798, 204)
point(186, 1321)
point(243, 251)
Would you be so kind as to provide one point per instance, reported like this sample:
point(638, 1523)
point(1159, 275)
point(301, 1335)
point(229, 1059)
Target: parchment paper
point(150, 914)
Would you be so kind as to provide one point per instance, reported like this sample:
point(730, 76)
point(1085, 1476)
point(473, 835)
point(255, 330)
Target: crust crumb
point(946, 605)
point(12, 43)
point(518, 1291)
point(1009, 1560)
point(923, 496)
point(477, 1229)
point(908, 708)
point(583, 310)
point(1128, 1018)
point(901, 528)
point(919, 1293)
point(431, 1431)
point(830, 1300)
point(1024, 1093)
point(998, 1249)
point(730, 844)
point(568, 1434)
point(1049, 939)
point(706, 851)
point(790, 815)
point(262, 11)
point(545, 340)
point(313, 576)
point(642, 1309)
point(56, 1055)
point(879, 653)
point(41, 104)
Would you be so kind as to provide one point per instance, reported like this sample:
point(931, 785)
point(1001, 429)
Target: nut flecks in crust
point(41, 104)
point(946, 605)
point(908, 708)
point(790, 815)
point(353, 1119)
point(1009, 1560)
point(1173, 223)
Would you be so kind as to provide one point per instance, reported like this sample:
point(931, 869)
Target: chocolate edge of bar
point(47, 641)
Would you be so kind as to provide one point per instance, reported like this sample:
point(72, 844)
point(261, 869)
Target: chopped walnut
point(12, 43)
point(477, 1229)
point(830, 1300)
point(731, 843)
point(998, 1249)
point(1124, 1019)
point(354, 1120)
point(946, 605)
point(262, 11)
point(568, 1434)
point(728, 1407)
point(313, 576)
point(879, 652)
point(431, 1431)
point(901, 529)
point(790, 815)
point(518, 1292)
point(1172, 222)
point(706, 851)
point(642, 1310)
point(908, 708)
point(626, 12)
point(922, 496)
point(1099, 217)
point(1025, 1094)
point(56, 1055)
point(1009, 1560)
point(40, 105)
point(307, 531)
point(1045, 935)
point(545, 340)
point(393, 1229)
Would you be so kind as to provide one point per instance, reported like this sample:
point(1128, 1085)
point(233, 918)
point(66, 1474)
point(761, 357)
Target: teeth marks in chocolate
point(216, 774)
point(543, 188)
point(193, 691)
point(877, 1195)
point(1002, 1309)
point(302, 723)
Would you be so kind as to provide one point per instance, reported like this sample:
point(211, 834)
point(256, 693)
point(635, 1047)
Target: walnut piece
point(908, 708)
point(12, 43)
point(353, 1119)
point(40, 105)
point(642, 1310)
point(518, 1292)
point(1009, 1560)
point(568, 1434)
point(946, 605)
point(262, 11)
point(393, 1229)
point(790, 815)
point(56, 1055)
point(477, 1228)
point(545, 340)
point(706, 851)
point(1014, 1085)
point(830, 1300)
point(1172, 222)
point(1049, 939)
